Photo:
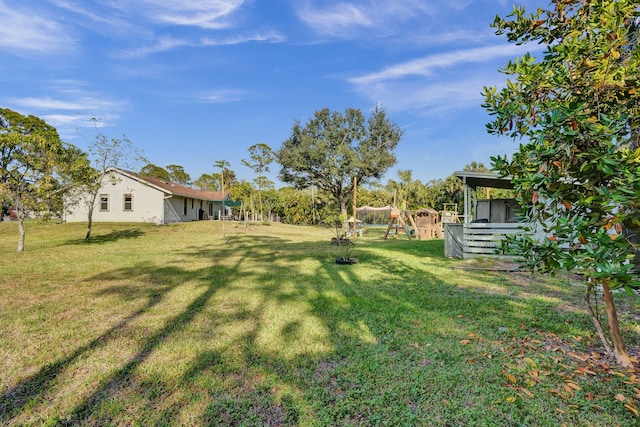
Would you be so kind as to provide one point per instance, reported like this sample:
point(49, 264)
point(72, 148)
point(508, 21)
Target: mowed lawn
point(168, 325)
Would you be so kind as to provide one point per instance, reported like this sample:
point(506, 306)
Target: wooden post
point(355, 221)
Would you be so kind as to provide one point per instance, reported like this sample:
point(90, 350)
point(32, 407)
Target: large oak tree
point(36, 167)
point(333, 148)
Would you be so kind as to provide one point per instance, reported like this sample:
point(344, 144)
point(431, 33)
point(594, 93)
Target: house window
point(128, 202)
point(192, 200)
point(104, 203)
point(184, 207)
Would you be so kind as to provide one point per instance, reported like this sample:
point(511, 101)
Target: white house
point(130, 197)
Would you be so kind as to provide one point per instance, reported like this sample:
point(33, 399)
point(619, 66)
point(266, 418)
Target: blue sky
point(195, 81)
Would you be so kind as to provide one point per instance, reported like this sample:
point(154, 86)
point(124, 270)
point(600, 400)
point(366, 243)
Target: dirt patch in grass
point(488, 264)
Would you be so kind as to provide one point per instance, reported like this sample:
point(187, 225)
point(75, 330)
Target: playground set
point(426, 223)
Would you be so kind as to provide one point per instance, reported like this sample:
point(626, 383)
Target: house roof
point(484, 179)
point(176, 189)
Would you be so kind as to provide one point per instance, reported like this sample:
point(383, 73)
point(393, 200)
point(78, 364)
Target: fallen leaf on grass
point(558, 393)
point(582, 357)
point(527, 392)
point(510, 377)
point(510, 399)
point(620, 397)
point(573, 385)
point(632, 408)
point(465, 342)
point(568, 389)
point(584, 370)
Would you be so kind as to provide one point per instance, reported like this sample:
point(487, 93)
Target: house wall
point(497, 210)
point(147, 203)
point(177, 206)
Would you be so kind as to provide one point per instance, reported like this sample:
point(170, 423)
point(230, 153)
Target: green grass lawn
point(167, 325)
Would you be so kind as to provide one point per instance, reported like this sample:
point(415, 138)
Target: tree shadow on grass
point(372, 321)
point(36, 386)
point(114, 236)
point(348, 343)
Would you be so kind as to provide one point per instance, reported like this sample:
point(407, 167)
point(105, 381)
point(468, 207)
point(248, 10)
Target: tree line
point(320, 164)
point(309, 205)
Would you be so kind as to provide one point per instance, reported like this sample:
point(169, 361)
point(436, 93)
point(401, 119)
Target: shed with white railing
point(485, 222)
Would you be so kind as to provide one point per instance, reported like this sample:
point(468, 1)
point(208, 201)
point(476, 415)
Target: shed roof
point(484, 179)
point(427, 210)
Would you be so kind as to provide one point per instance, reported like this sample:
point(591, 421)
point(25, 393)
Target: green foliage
point(35, 165)
point(178, 175)
point(207, 182)
point(172, 173)
point(260, 157)
point(155, 171)
point(577, 170)
point(334, 148)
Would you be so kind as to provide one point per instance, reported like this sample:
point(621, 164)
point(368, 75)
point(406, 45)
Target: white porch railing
point(482, 239)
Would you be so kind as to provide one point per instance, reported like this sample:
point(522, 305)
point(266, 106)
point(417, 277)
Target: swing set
point(421, 224)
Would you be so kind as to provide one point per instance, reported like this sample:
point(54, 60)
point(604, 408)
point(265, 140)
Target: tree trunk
point(253, 214)
point(20, 214)
point(620, 350)
point(89, 224)
point(261, 207)
point(343, 208)
point(596, 320)
point(90, 207)
point(21, 231)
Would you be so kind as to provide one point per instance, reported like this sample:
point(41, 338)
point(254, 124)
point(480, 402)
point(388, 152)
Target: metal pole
point(224, 234)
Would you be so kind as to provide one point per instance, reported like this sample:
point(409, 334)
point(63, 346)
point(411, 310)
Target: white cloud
point(160, 44)
point(83, 103)
point(335, 20)
point(222, 96)
point(64, 122)
point(72, 107)
point(25, 32)
point(427, 98)
point(167, 43)
point(264, 37)
point(209, 14)
point(426, 66)
point(350, 19)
